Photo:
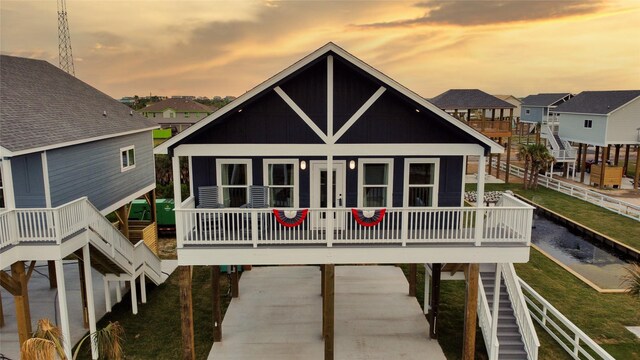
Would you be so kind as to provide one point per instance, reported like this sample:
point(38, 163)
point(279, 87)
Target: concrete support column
point(63, 310)
point(91, 306)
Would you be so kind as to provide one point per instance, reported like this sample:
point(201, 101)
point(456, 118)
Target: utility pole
point(65, 55)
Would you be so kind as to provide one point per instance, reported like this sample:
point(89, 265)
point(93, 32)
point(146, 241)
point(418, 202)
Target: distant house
point(128, 100)
point(64, 164)
point(537, 108)
point(177, 113)
point(513, 101)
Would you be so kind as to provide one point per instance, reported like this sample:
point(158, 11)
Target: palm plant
point(525, 154)
point(632, 280)
point(541, 158)
point(46, 343)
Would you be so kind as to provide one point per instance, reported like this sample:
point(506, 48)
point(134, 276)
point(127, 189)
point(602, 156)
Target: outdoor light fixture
point(352, 164)
point(303, 165)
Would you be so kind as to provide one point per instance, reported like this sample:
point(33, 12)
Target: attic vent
point(104, 113)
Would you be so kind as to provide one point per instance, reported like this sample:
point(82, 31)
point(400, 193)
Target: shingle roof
point(43, 106)
point(468, 99)
point(598, 102)
point(547, 99)
point(179, 105)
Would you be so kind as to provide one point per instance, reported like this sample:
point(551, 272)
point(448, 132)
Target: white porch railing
point(618, 206)
point(145, 257)
point(400, 226)
point(567, 334)
point(486, 323)
point(520, 310)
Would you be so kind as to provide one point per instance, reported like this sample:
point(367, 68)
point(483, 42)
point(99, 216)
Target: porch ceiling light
point(352, 164)
point(303, 165)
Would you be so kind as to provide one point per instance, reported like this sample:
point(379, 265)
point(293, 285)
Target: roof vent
point(104, 113)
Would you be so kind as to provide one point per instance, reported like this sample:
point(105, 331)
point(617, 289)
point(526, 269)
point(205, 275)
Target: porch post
point(508, 169)
point(616, 157)
point(597, 155)
point(626, 158)
point(579, 156)
point(134, 295)
point(470, 313)
point(177, 196)
point(83, 292)
point(435, 300)
point(603, 166)
point(186, 313)
point(215, 297)
point(143, 288)
point(480, 200)
point(636, 177)
point(425, 302)
point(91, 307)
point(63, 309)
point(51, 267)
point(329, 217)
point(413, 279)
point(328, 311)
point(107, 294)
point(235, 281)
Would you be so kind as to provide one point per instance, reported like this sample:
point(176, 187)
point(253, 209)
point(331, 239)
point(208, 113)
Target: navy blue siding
point(449, 192)
point(309, 92)
point(351, 90)
point(93, 170)
point(28, 182)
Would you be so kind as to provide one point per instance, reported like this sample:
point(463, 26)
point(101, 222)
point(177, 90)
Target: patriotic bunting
point(290, 218)
point(368, 217)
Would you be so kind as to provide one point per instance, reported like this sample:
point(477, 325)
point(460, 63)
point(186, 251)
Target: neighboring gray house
point(536, 108)
point(70, 154)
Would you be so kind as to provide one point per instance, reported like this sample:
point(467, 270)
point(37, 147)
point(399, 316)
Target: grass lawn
point(618, 227)
point(155, 333)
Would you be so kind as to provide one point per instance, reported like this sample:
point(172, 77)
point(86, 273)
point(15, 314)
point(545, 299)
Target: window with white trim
point(128, 158)
point(421, 182)
point(527, 111)
point(281, 176)
point(588, 124)
point(234, 179)
point(2, 204)
point(375, 182)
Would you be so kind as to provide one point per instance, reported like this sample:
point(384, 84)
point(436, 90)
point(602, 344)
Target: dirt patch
point(167, 248)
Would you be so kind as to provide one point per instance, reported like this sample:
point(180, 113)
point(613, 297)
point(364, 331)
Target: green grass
point(631, 169)
point(604, 221)
point(601, 316)
point(155, 333)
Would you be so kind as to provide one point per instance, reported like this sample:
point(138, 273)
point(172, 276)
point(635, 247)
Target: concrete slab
point(635, 330)
point(279, 316)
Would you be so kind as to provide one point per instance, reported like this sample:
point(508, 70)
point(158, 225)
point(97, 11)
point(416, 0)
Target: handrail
point(618, 206)
point(486, 322)
point(401, 226)
point(144, 256)
point(520, 310)
point(573, 340)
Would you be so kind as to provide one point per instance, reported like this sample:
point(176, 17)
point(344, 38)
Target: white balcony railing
point(400, 226)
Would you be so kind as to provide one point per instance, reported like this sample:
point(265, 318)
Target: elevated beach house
point(69, 155)
point(332, 162)
point(603, 119)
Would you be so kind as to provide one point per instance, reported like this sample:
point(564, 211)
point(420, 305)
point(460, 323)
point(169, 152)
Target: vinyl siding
point(624, 124)
point(535, 116)
point(572, 128)
point(93, 170)
point(28, 182)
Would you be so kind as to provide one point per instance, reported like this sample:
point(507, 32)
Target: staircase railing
point(117, 242)
point(145, 257)
point(566, 333)
point(486, 321)
point(521, 311)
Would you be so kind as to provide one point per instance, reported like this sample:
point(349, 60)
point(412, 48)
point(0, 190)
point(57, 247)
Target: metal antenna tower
point(65, 56)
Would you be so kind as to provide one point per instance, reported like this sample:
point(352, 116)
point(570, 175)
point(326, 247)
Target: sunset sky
point(208, 48)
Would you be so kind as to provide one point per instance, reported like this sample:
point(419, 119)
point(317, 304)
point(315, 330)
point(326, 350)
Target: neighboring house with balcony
point(332, 162)
point(177, 113)
point(65, 164)
point(602, 119)
point(539, 108)
point(513, 101)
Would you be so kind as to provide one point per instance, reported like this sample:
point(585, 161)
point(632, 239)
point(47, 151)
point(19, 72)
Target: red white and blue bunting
point(290, 218)
point(368, 217)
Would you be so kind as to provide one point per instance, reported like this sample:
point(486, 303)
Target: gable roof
point(598, 102)
point(179, 105)
point(507, 97)
point(543, 99)
point(329, 47)
point(469, 99)
point(43, 107)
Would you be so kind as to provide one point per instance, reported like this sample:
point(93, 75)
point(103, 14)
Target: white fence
point(243, 226)
point(567, 334)
point(618, 206)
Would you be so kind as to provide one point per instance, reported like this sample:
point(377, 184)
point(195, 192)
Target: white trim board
point(296, 177)
point(236, 105)
point(8, 153)
point(301, 114)
point(127, 199)
point(247, 162)
point(436, 179)
point(389, 186)
point(296, 150)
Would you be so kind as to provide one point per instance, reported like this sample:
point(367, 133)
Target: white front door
point(319, 190)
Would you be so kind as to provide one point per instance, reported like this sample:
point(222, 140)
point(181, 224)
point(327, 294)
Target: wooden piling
point(470, 313)
point(216, 303)
point(186, 313)
point(328, 311)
